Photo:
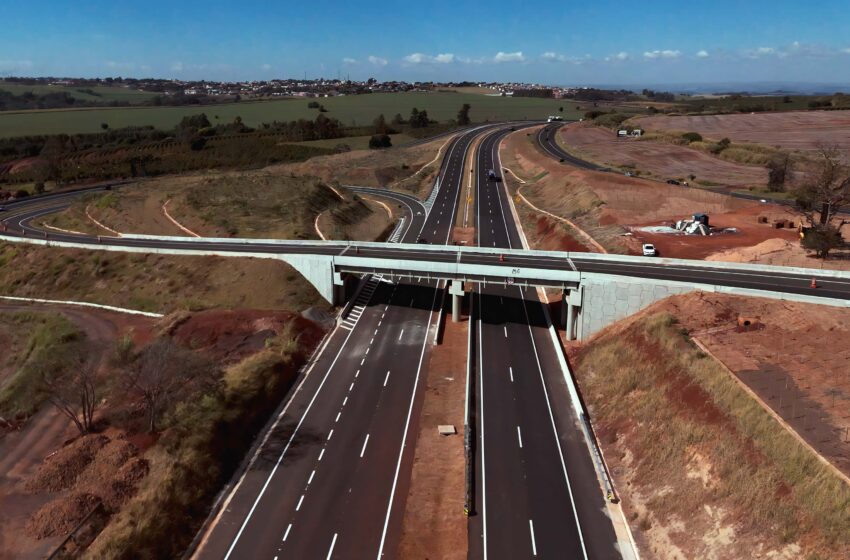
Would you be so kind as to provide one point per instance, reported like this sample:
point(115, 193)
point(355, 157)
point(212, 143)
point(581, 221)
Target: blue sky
point(601, 42)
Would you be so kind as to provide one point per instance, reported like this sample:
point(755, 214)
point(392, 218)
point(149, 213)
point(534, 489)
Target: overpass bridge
point(597, 289)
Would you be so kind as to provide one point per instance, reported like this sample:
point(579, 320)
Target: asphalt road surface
point(537, 492)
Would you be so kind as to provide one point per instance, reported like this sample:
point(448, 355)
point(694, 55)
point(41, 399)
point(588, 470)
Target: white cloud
point(622, 55)
point(662, 54)
point(421, 58)
point(443, 58)
point(702, 54)
point(551, 56)
point(509, 57)
point(846, 51)
point(765, 50)
point(348, 60)
point(177, 67)
point(377, 60)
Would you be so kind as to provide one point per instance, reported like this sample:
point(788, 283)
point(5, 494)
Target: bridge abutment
point(456, 291)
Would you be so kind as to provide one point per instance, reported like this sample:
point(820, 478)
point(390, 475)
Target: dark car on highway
point(673, 182)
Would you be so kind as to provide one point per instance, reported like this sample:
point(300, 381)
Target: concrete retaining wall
point(608, 301)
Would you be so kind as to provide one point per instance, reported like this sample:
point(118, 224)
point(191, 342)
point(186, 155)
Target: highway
point(537, 491)
point(330, 477)
point(331, 480)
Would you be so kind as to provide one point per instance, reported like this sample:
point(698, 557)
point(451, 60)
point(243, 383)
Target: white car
point(649, 250)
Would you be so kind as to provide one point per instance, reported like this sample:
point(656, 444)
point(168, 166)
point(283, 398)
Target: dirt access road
point(21, 452)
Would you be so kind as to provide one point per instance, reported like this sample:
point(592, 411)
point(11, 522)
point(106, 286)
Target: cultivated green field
point(103, 93)
point(351, 110)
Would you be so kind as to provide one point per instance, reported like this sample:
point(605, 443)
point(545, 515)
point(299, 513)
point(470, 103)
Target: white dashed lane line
point(286, 534)
point(519, 437)
point(387, 378)
point(362, 451)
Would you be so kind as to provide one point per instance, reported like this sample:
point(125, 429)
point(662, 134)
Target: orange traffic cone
point(814, 283)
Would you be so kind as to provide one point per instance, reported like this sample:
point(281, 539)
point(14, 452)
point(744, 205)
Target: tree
point(398, 119)
point(825, 189)
point(463, 115)
point(379, 141)
point(822, 239)
point(419, 119)
point(38, 187)
point(560, 109)
point(158, 373)
point(313, 105)
point(72, 392)
point(380, 124)
point(778, 168)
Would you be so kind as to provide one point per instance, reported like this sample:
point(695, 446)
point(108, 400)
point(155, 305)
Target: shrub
point(692, 137)
point(380, 141)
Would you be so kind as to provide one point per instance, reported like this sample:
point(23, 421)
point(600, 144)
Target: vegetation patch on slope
point(703, 470)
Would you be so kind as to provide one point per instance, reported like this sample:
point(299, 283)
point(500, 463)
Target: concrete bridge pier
point(456, 291)
point(570, 307)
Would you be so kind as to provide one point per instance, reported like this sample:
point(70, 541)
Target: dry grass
point(161, 283)
point(661, 403)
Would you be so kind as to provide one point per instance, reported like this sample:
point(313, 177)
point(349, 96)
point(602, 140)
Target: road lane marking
point(345, 400)
point(361, 361)
point(285, 449)
point(337, 416)
point(506, 330)
point(406, 427)
point(387, 378)
point(321, 454)
point(401, 334)
point(362, 451)
point(372, 341)
point(350, 387)
point(300, 501)
point(333, 543)
point(511, 372)
point(331, 433)
point(312, 474)
point(519, 437)
point(286, 534)
point(533, 543)
point(356, 373)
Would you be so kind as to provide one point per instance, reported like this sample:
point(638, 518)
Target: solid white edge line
point(333, 543)
point(533, 541)
point(285, 449)
point(406, 428)
point(540, 371)
point(410, 409)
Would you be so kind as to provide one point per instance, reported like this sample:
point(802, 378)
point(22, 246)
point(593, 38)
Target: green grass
point(104, 93)
point(353, 110)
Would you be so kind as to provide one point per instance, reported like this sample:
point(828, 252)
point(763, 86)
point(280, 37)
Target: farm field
point(350, 110)
point(102, 93)
point(803, 131)
point(656, 159)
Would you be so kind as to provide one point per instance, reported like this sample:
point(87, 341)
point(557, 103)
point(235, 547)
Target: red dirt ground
point(798, 130)
point(231, 335)
point(750, 233)
point(660, 159)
